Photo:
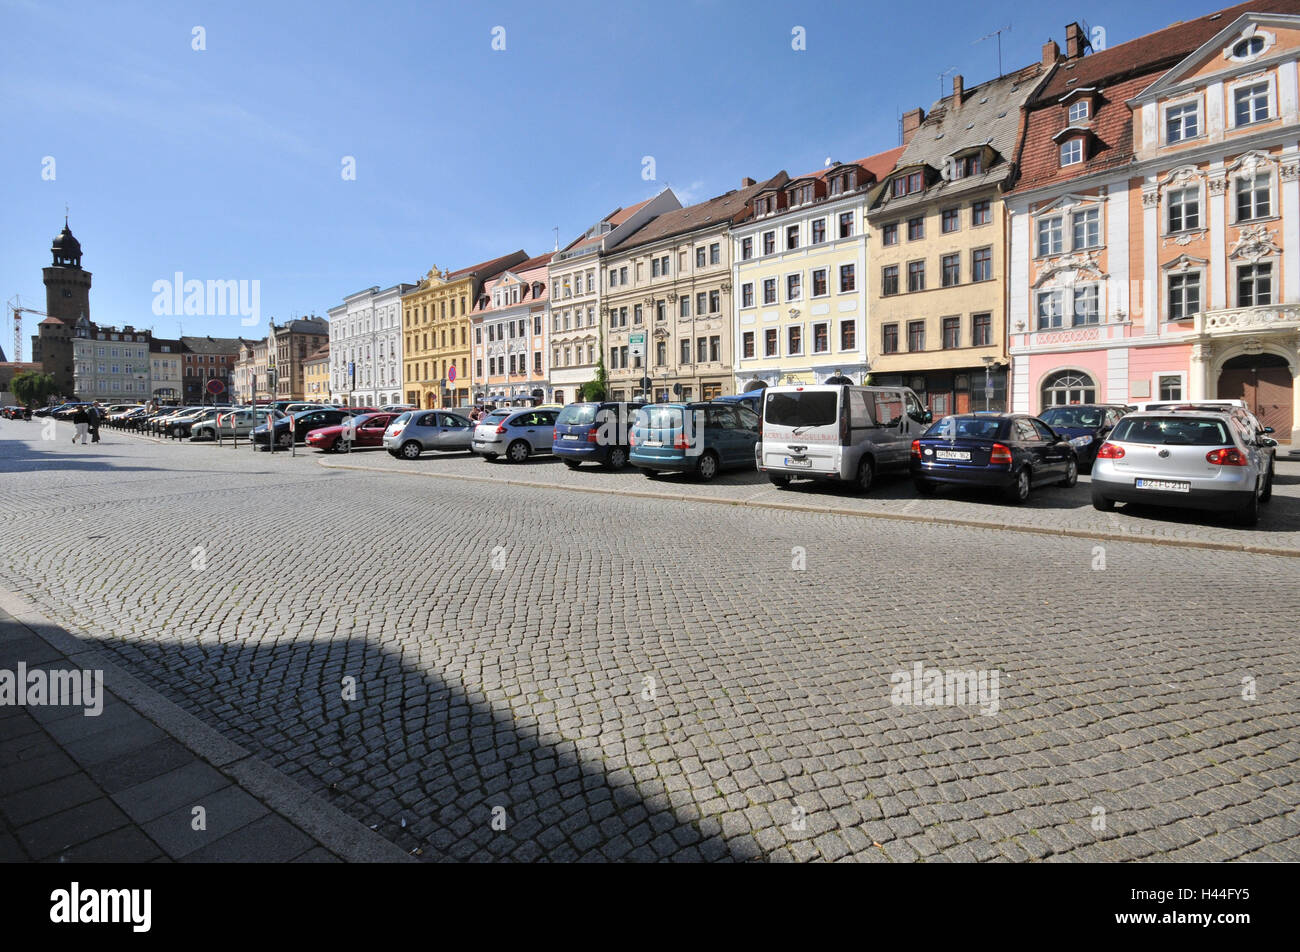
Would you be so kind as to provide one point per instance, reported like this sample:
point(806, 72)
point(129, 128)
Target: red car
point(368, 430)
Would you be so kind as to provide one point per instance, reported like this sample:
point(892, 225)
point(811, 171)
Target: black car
point(594, 432)
point(1085, 425)
point(1012, 452)
point(303, 423)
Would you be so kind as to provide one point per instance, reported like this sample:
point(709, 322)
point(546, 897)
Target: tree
point(32, 387)
point(598, 388)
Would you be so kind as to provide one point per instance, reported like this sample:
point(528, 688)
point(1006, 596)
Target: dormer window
point(908, 184)
point(801, 195)
point(967, 165)
point(1079, 111)
point(1072, 151)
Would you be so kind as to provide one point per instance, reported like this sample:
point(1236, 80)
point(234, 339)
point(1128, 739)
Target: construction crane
point(16, 305)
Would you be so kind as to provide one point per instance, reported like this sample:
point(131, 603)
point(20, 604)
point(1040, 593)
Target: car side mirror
point(1268, 429)
point(927, 417)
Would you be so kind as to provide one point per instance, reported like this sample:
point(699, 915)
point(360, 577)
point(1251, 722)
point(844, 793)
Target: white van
point(838, 432)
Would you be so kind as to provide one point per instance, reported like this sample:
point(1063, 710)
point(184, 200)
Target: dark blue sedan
point(1012, 452)
point(1085, 425)
point(294, 429)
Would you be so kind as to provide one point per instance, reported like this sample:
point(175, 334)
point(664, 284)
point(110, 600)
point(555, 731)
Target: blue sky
point(226, 163)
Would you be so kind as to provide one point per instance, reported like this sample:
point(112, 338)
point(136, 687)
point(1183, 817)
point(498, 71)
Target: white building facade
point(366, 347)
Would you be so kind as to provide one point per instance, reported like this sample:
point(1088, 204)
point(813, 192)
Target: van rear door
point(801, 431)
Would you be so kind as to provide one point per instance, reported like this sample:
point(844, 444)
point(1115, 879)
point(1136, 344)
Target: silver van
point(838, 432)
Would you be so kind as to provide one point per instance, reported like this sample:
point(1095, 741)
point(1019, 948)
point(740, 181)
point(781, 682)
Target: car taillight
point(1110, 451)
point(679, 441)
point(844, 422)
point(1227, 456)
point(592, 435)
point(999, 454)
point(631, 438)
point(501, 429)
point(916, 449)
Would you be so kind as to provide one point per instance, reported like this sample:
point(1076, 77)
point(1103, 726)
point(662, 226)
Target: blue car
point(753, 399)
point(1085, 425)
point(698, 438)
point(1012, 452)
point(594, 433)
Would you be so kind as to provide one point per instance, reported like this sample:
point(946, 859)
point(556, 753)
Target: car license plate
point(952, 454)
point(652, 443)
point(1164, 485)
point(568, 436)
point(798, 462)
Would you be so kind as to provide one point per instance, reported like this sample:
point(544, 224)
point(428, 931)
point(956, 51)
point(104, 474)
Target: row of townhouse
point(1114, 226)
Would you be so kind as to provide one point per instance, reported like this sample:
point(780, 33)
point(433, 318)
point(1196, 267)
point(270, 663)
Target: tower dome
point(66, 249)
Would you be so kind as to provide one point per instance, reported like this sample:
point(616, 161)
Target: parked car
point(1085, 425)
point(698, 438)
point(1237, 411)
point(294, 429)
point(238, 422)
point(595, 433)
point(1012, 452)
point(182, 426)
point(396, 408)
point(1196, 459)
point(838, 432)
point(415, 431)
point(752, 399)
point(516, 434)
point(364, 429)
point(161, 423)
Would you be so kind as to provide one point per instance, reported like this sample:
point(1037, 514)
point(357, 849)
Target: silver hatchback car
point(516, 434)
point(418, 430)
point(1196, 459)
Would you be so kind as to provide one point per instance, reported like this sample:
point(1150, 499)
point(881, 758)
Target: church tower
point(67, 286)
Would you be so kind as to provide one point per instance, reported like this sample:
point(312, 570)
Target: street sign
point(677, 390)
point(646, 384)
point(451, 374)
point(216, 386)
point(636, 344)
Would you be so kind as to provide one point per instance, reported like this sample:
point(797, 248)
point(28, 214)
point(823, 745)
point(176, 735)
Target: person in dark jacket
point(81, 420)
point(92, 421)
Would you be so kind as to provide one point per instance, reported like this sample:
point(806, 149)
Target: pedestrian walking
point(81, 420)
point(93, 422)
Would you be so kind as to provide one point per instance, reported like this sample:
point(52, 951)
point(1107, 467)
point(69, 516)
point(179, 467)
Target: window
point(848, 334)
point(950, 220)
point(699, 257)
point(747, 344)
point(1184, 296)
point(793, 287)
point(889, 280)
point(981, 334)
point(848, 278)
point(819, 286)
point(746, 248)
point(951, 332)
point(951, 266)
point(1255, 284)
point(636, 314)
point(1085, 305)
point(1087, 228)
point(715, 301)
point(794, 340)
point(1170, 386)
point(916, 276)
point(1072, 151)
point(684, 303)
point(769, 242)
point(821, 338)
point(686, 351)
point(966, 166)
point(1051, 236)
point(846, 224)
point(1051, 310)
point(1251, 103)
point(715, 255)
point(981, 213)
point(769, 290)
point(1078, 111)
point(915, 229)
point(792, 237)
point(1254, 197)
point(889, 234)
point(1247, 48)
point(818, 231)
point(654, 268)
point(746, 294)
point(1184, 209)
point(769, 342)
point(981, 264)
point(1068, 386)
point(1182, 122)
point(889, 339)
point(915, 335)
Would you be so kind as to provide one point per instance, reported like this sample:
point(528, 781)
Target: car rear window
point(497, 416)
point(1073, 416)
point(1172, 431)
point(806, 408)
point(659, 418)
point(578, 414)
point(965, 428)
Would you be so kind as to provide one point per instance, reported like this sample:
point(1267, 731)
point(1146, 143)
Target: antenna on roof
point(950, 69)
point(998, 34)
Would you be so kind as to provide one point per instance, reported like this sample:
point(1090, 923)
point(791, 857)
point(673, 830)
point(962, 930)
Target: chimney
point(958, 88)
point(911, 122)
point(1075, 41)
point(746, 182)
point(1051, 53)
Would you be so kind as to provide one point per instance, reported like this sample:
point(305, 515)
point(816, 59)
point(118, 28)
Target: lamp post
point(990, 363)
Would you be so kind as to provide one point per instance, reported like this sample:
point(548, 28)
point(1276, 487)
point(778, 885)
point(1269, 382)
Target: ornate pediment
point(1069, 268)
point(1252, 164)
point(1182, 177)
point(1184, 263)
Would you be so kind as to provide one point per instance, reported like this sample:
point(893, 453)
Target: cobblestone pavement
point(546, 674)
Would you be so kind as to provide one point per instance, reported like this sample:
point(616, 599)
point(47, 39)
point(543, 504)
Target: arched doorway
point(1065, 387)
point(1263, 381)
